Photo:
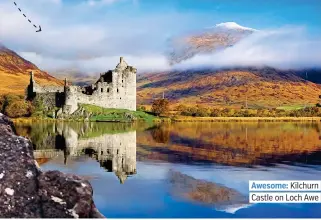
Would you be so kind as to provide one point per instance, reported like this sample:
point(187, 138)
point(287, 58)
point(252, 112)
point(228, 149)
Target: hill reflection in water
point(236, 144)
point(202, 168)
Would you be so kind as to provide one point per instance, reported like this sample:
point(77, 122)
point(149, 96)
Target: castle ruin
point(114, 89)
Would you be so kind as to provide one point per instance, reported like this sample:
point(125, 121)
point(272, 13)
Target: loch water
point(188, 170)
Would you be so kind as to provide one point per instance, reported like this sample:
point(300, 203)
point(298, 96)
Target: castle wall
point(50, 100)
point(120, 93)
point(47, 89)
point(50, 96)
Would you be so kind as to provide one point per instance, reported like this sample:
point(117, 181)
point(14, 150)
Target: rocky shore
point(28, 192)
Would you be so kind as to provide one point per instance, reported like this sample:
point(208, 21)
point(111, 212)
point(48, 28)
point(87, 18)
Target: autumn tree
point(18, 108)
point(160, 106)
point(319, 104)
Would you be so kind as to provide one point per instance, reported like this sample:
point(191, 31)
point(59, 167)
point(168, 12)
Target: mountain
point(14, 73)
point(76, 77)
point(259, 87)
point(235, 87)
point(220, 36)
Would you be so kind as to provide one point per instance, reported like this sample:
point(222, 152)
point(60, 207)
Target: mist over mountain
point(207, 41)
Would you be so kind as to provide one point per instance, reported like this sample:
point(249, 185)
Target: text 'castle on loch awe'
point(114, 89)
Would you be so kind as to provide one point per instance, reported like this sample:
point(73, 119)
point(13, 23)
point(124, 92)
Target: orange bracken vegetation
point(264, 87)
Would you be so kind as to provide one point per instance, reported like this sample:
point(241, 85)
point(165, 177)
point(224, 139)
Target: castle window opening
point(107, 89)
point(117, 90)
point(117, 151)
point(102, 89)
point(122, 80)
point(101, 152)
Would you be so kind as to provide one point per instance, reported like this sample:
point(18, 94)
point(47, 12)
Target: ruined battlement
point(113, 89)
point(43, 89)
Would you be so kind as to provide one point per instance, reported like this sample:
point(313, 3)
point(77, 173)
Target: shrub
point(160, 106)
point(39, 105)
point(141, 108)
point(8, 99)
point(2, 101)
point(18, 108)
point(215, 113)
point(202, 112)
point(189, 111)
point(228, 112)
point(181, 108)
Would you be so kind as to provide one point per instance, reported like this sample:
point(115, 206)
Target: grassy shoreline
point(187, 119)
point(244, 119)
point(35, 119)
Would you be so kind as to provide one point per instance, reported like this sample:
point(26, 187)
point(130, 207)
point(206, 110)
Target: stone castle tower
point(114, 89)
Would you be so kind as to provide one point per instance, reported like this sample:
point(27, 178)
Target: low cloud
point(97, 64)
point(287, 48)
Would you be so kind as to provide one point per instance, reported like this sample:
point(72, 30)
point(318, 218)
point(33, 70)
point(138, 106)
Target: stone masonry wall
point(120, 93)
point(47, 89)
point(48, 99)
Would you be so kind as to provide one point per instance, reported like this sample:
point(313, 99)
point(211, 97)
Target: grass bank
point(183, 119)
point(293, 107)
point(100, 114)
point(244, 119)
point(32, 119)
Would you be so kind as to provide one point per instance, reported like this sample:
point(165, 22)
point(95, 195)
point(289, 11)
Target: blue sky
point(82, 35)
point(259, 14)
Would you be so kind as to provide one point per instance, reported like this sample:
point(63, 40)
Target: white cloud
point(95, 2)
point(282, 48)
point(56, 1)
point(97, 64)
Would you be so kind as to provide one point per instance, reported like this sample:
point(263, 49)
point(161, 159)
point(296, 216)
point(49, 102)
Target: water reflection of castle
point(115, 152)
